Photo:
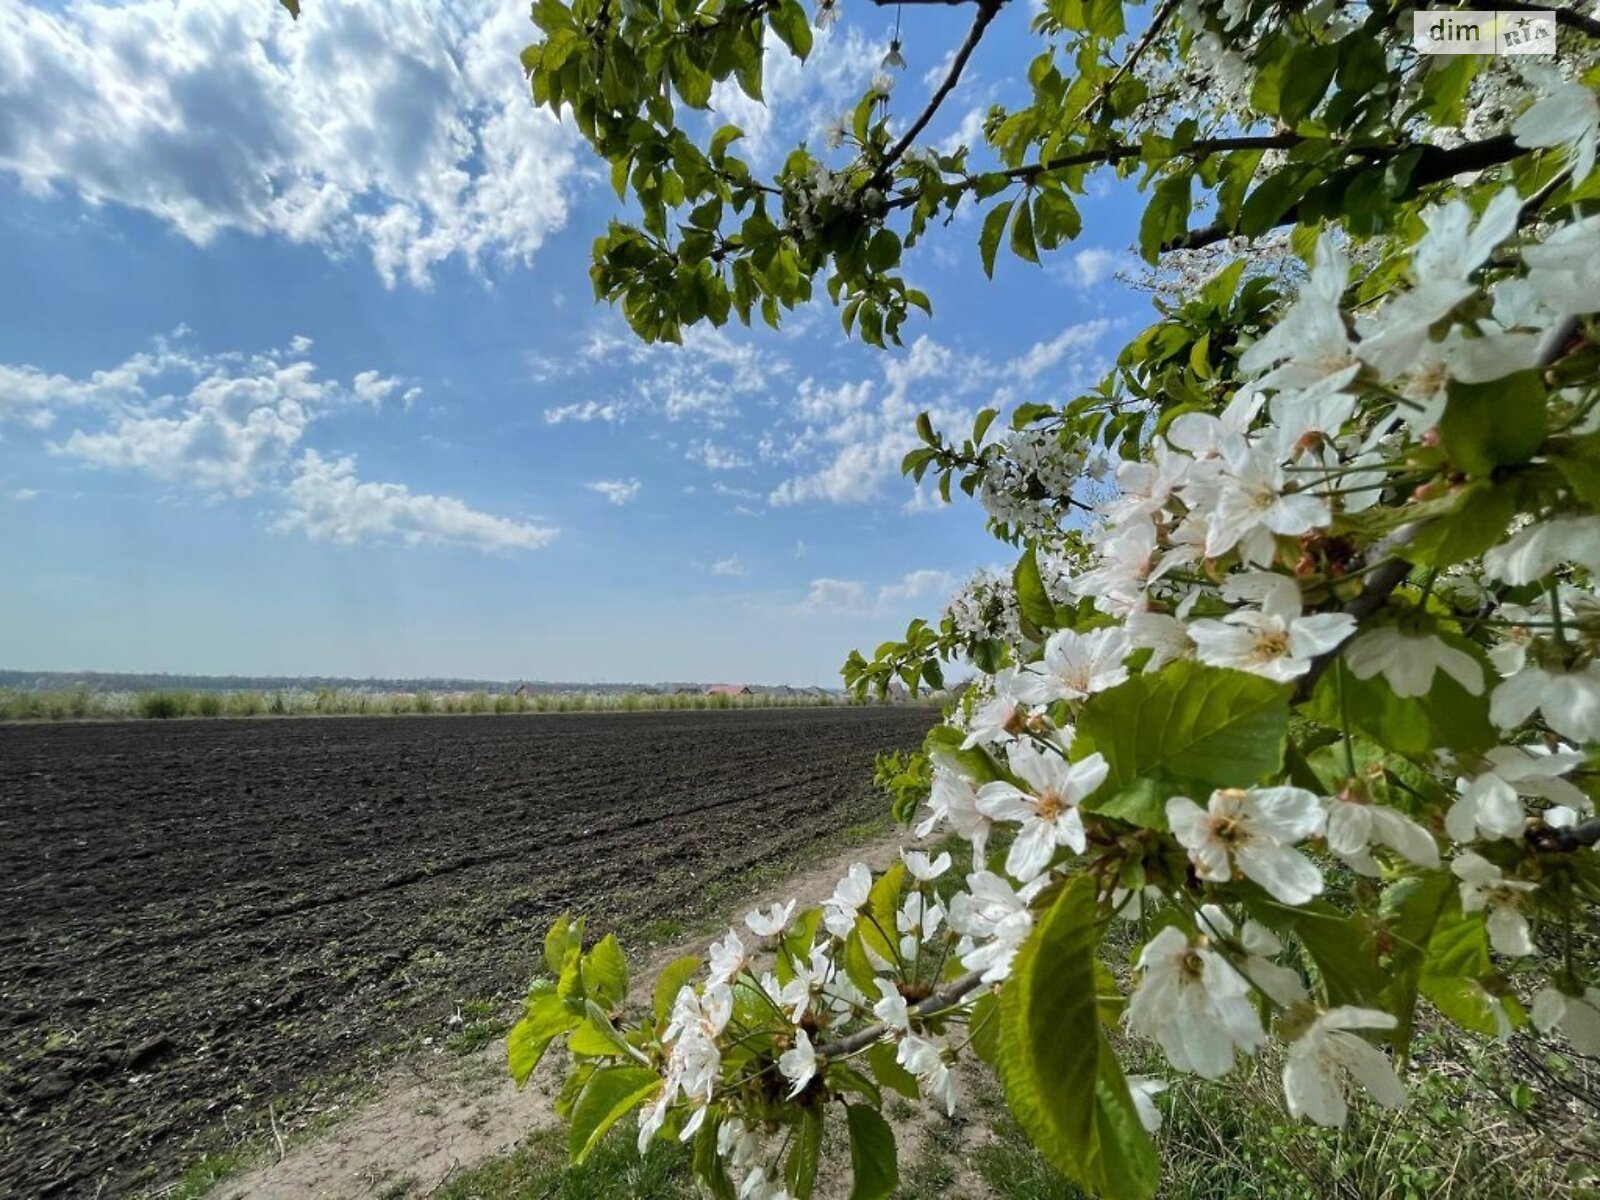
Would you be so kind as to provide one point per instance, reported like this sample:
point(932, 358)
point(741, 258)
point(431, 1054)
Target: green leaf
point(874, 1164)
point(1032, 598)
point(886, 1069)
point(1126, 1162)
point(883, 903)
point(292, 7)
point(670, 982)
point(793, 27)
point(611, 1094)
point(989, 239)
point(1050, 1032)
point(708, 1165)
point(546, 1018)
point(722, 139)
point(1345, 952)
point(605, 973)
point(1448, 715)
point(1309, 71)
point(1022, 240)
point(1166, 216)
point(805, 1155)
point(596, 1036)
point(1411, 908)
point(1495, 424)
point(1478, 522)
point(558, 940)
point(1188, 722)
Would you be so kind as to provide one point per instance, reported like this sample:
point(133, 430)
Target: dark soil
point(198, 918)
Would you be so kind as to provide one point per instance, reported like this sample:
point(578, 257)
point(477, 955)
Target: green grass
point(206, 1173)
point(538, 1170)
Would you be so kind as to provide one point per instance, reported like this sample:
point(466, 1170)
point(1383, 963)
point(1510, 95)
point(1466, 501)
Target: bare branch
point(987, 11)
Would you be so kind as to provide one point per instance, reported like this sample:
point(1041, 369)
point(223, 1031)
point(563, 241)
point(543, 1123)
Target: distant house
point(730, 689)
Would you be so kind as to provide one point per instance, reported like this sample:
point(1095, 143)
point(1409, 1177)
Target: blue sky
point(300, 370)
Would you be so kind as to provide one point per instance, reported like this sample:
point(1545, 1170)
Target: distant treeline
point(102, 681)
point(83, 703)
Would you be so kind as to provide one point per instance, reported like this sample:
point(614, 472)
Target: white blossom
point(1569, 700)
point(1485, 887)
point(1323, 1058)
point(994, 920)
point(1048, 811)
point(953, 801)
point(1355, 826)
point(922, 868)
point(1076, 665)
point(1407, 661)
point(1311, 340)
point(1144, 1089)
point(771, 923)
point(1195, 1005)
point(840, 909)
point(1567, 116)
point(1489, 806)
point(798, 1064)
point(1578, 1017)
point(1252, 831)
point(1277, 641)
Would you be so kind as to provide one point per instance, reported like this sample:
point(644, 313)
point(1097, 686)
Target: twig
point(956, 991)
point(987, 11)
point(276, 1136)
point(1434, 166)
point(1103, 92)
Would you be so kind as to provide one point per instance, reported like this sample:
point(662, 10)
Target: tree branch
point(1434, 166)
point(954, 992)
point(987, 11)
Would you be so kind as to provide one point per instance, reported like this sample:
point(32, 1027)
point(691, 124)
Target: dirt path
point(442, 1116)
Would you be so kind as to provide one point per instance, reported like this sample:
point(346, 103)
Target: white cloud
point(851, 596)
point(716, 458)
point(397, 127)
point(918, 585)
point(861, 431)
point(1072, 342)
point(1092, 264)
point(583, 412)
point(329, 504)
point(235, 425)
point(224, 423)
point(728, 566)
point(618, 491)
point(835, 595)
point(23, 495)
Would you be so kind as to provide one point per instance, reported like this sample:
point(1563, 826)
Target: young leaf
point(611, 1094)
point(546, 1018)
point(805, 1155)
point(670, 982)
point(989, 239)
point(605, 973)
point(1212, 726)
point(874, 1164)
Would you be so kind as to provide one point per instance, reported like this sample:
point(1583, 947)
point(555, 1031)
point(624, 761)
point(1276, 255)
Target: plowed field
point(196, 918)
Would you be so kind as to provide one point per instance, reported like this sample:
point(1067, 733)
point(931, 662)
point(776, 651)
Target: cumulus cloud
point(328, 503)
point(235, 425)
point(845, 596)
point(728, 566)
point(399, 128)
point(835, 595)
point(583, 412)
point(1073, 342)
point(861, 430)
point(223, 423)
point(716, 458)
point(918, 585)
point(618, 491)
point(1093, 264)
